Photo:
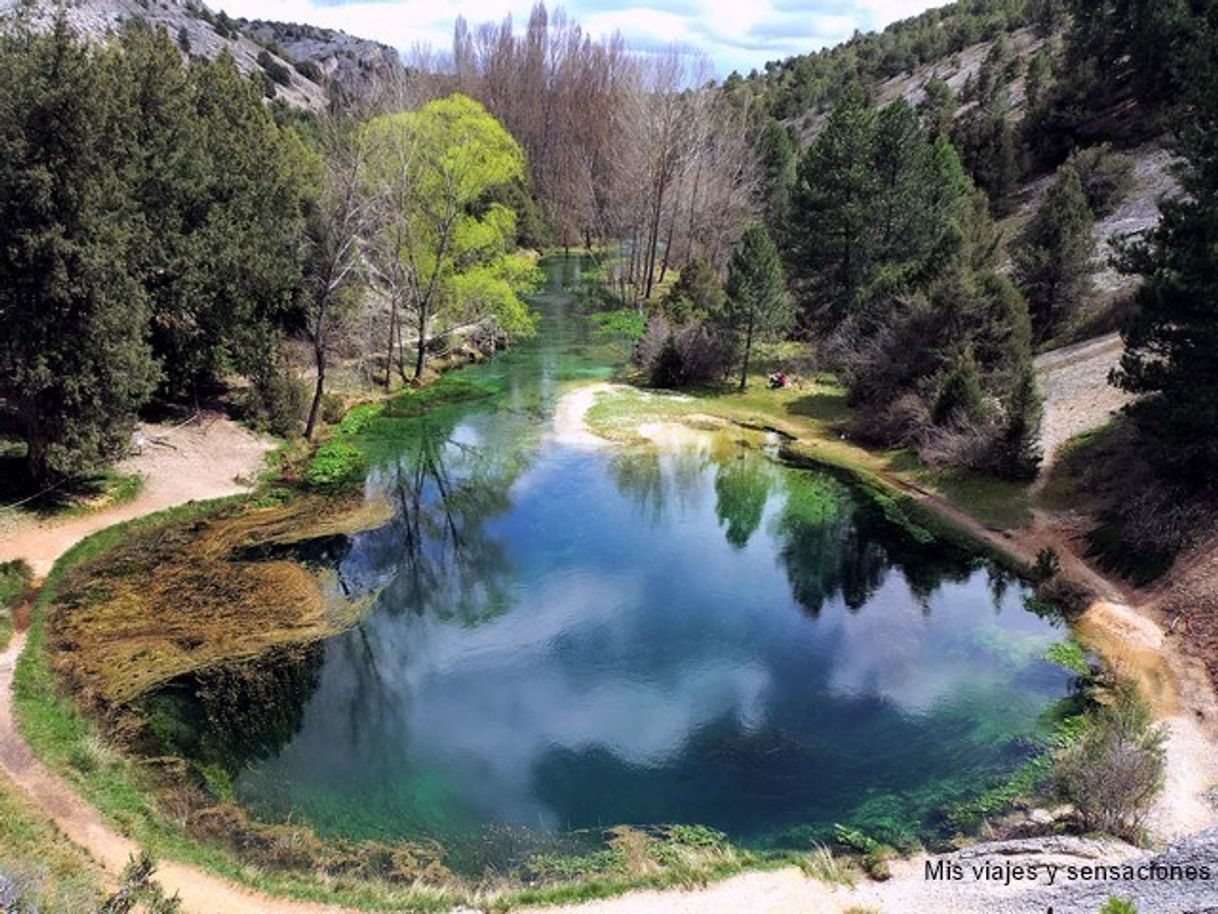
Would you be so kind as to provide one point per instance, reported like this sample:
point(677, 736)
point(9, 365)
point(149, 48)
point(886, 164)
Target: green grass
point(1070, 477)
point(816, 415)
point(1000, 504)
point(53, 874)
point(336, 464)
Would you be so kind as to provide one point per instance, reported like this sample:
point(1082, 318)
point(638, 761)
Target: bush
point(138, 891)
point(333, 408)
point(1118, 906)
point(668, 369)
point(1106, 176)
point(279, 405)
point(309, 70)
point(1048, 563)
point(335, 465)
point(677, 357)
point(274, 69)
point(1115, 770)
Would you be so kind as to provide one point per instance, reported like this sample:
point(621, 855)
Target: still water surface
point(565, 638)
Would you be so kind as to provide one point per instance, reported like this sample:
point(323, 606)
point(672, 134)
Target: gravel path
point(1078, 396)
point(209, 458)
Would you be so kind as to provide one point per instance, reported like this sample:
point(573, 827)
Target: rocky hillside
point(356, 66)
point(299, 64)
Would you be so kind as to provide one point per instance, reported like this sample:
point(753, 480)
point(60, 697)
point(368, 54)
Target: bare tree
point(337, 224)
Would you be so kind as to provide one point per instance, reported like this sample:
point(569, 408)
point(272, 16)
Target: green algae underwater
point(565, 638)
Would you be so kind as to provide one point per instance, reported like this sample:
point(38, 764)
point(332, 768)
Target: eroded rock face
point(356, 67)
point(197, 30)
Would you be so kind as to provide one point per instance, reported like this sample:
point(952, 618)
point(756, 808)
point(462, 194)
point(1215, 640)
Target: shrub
point(278, 404)
point(274, 69)
point(309, 70)
point(138, 892)
point(333, 408)
point(676, 357)
point(1047, 564)
point(668, 369)
point(336, 464)
point(1106, 176)
point(1115, 770)
point(1118, 906)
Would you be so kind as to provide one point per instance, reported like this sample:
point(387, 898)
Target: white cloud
point(734, 34)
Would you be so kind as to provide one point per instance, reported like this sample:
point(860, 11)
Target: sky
point(735, 34)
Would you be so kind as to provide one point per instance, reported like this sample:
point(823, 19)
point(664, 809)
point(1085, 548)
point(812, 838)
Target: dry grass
point(176, 599)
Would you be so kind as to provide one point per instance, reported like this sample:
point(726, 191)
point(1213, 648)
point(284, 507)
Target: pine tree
point(777, 154)
point(697, 294)
point(756, 300)
point(938, 107)
point(74, 360)
point(833, 235)
point(873, 211)
point(1172, 339)
point(248, 245)
point(1055, 255)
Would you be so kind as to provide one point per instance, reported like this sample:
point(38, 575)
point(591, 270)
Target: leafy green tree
point(1171, 339)
point(440, 250)
point(756, 299)
point(74, 359)
point(1055, 255)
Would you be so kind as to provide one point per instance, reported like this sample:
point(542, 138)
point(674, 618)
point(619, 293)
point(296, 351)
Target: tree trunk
point(420, 361)
point(672, 226)
point(318, 391)
point(36, 456)
point(748, 349)
point(393, 319)
point(319, 358)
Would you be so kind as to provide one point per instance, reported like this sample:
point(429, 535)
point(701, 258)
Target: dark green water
point(567, 638)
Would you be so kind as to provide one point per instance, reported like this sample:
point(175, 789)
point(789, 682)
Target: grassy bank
point(813, 419)
point(127, 792)
point(46, 868)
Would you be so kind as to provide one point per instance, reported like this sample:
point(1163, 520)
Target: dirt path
point(209, 458)
point(201, 893)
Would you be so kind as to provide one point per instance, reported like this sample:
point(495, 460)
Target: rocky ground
point(1078, 396)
